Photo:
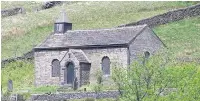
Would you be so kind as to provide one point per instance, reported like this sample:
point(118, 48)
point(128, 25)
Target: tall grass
point(20, 72)
point(17, 46)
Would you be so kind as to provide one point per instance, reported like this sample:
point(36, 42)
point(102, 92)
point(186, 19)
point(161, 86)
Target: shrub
point(156, 80)
point(99, 77)
point(98, 87)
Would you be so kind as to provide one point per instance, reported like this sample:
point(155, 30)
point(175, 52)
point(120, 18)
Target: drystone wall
point(50, 4)
point(12, 11)
point(28, 56)
point(80, 95)
point(153, 21)
point(168, 17)
point(21, 10)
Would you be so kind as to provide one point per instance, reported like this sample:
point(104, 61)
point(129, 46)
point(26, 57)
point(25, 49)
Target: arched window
point(106, 65)
point(55, 68)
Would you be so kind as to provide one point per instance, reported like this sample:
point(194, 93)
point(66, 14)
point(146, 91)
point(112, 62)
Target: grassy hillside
point(181, 37)
point(21, 33)
point(29, 6)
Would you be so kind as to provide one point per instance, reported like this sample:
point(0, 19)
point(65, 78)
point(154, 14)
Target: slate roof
point(78, 38)
point(80, 56)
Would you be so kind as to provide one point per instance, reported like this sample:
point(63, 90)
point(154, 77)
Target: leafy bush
point(26, 95)
point(155, 80)
point(99, 77)
point(20, 72)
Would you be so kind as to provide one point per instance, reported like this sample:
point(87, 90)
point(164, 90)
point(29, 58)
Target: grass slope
point(181, 37)
point(176, 31)
point(20, 72)
point(84, 15)
point(27, 5)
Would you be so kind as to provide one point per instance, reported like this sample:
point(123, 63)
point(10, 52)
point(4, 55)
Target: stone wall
point(80, 95)
point(43, 60)
point(167, 17)
point(28, 56)
point(12, 11)
point(146, 41)
point(50, 4)
point(43, 66)
point(118, 58)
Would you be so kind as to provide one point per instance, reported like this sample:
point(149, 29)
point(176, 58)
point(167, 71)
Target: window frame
point(55, 69)
point(103, 71)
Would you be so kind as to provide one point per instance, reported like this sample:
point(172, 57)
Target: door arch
point(69, 74)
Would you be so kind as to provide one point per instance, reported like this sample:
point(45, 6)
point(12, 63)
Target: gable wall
point(117, 56)
point(146, 41)
point(43, 60)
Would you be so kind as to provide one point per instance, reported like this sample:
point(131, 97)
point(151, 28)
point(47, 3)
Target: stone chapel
point(66, 54)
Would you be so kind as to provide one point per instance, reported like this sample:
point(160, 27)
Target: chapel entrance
point(69, 74)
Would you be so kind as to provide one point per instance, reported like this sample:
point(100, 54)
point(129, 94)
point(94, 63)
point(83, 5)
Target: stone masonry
point(81, 54)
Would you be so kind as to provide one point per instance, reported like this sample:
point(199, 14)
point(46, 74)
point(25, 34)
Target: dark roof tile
point(111, 36)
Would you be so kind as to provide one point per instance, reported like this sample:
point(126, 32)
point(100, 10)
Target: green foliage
point(26, 95)
point(21, 33)
point(143, 80)
point(186, 80)
point(99, 77)
point(99, 86)
point(20, 72)
point(44, 89)
point(155, 80)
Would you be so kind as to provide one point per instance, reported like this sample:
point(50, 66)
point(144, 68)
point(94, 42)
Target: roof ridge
point(142, 26)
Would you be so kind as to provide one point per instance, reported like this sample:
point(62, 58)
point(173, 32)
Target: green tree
point(158, 79)
point(144, 79)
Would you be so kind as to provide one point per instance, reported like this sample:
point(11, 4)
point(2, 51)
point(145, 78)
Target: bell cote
point(62, 24)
